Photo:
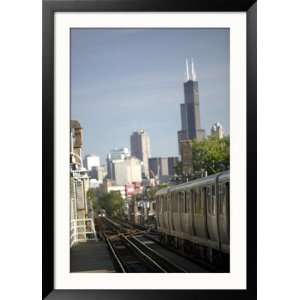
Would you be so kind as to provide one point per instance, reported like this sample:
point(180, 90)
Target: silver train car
point(195, 218)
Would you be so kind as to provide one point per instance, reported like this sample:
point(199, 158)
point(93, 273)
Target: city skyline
point(120, 103)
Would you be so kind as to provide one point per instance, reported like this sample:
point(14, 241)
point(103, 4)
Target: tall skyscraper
point(91, 161)
point(140, 148)
point(113, 156)
point(92, 164)
point(190, 109)
point(127, 171)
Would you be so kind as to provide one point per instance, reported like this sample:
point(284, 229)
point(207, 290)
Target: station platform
point(92, 257)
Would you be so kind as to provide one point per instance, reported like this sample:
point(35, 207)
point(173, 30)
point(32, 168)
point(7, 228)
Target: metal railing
point(82, 230)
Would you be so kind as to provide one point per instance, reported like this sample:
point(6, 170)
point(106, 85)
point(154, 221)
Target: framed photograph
point(149, 149)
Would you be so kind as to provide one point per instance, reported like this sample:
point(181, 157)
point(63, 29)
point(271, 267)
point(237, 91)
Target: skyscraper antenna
point(187, 70)
point(194, 78)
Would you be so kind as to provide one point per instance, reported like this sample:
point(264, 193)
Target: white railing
point(82, 230)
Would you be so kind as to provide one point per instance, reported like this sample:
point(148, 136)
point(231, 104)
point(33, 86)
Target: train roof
point(193, 183)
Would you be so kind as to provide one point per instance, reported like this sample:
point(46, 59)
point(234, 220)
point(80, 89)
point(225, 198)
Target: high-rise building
point(172, 163)
point(217, 130)
point(96, 173)
point(127, 171)
point(91, 161)
point(162, 167)
point(190, 109)
point(92, 164)
point(103, 169)
point(140, 148)
point(113, 156)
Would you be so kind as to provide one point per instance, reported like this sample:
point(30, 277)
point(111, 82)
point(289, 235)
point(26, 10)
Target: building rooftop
point(75, 124)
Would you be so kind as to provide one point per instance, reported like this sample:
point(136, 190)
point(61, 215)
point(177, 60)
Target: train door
point(176, 219)
point(199, 214)
point(157, 210)
point(181, 210)
point(190, 213)
point(173, 203)
point(164, 202)
point(161, 211)
point(211, 212)
point(204, 191)
point(223, 212)
point(227, 189)
point(193, 210)
point(169, 212)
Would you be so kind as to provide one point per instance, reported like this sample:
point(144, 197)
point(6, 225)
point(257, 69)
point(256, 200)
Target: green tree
point(211, 155)
point(112, 202)
point(178, 168)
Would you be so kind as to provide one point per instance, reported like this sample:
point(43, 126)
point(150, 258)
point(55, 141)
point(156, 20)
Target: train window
point(202, 199)
point(222, 198)
point(158, 204)
point(208, 197)
point(169, 202)
point(227, 191)
point(213, 200)
point(227, 197)
point(174, 202)
point(213, 190)
point(181, 202)
point(166, 203)
point(187, 197)
point(197, 202)
point(187, 200)
point(193, 200)
point(211, 197)
point(200, 202)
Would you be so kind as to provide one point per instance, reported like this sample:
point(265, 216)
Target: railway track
point(153, 236)
point(130, 255)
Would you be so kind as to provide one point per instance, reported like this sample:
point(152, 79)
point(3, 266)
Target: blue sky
point(128, 79)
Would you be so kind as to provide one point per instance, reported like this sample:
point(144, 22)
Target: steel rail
point(145, 259)
point(114, 254)
point(148, 255)
point(142, 253)
point(165, 261)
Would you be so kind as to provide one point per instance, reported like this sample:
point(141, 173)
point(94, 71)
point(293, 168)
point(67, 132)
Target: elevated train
point(194, 217)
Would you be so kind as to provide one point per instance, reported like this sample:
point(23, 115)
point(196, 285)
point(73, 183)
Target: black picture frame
point(52, 6)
